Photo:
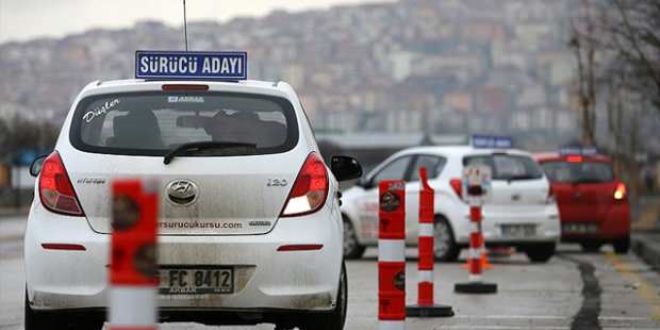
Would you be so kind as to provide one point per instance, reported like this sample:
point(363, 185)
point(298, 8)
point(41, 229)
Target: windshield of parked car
point(154, 123)
point(578, 172)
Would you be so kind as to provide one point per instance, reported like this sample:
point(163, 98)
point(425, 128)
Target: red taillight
point(55, 189)
point(574, 159)
point(310, 190)
point(620, 192)
point(457, 185)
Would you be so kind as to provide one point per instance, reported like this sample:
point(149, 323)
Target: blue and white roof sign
point(578, 150)
point(492, 142)
point(191, 65)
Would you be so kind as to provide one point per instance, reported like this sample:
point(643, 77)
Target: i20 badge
point(182, 192)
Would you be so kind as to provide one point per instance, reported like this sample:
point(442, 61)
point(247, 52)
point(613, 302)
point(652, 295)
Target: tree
point(632, 30)
point(584, 47)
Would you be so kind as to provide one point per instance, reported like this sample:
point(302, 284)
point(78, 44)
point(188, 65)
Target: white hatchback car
point(259, 202)
point(521, 214)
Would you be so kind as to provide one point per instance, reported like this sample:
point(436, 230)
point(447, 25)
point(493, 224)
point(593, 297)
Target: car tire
point(591, 247)
point(38, 321)
point(352, 247)
point(541, 253)
point(444, 244)
point(621, 245)
point(336, 319)
point(34, 320)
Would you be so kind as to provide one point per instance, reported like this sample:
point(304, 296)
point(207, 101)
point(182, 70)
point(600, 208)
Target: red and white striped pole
point(133, 266)
point(475, 192)
point(391, 256)
point(425, 306)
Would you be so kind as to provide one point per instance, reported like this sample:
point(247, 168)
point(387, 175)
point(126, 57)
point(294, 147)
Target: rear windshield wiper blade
point(522, 177)
point(204, 145)
point(579, 181)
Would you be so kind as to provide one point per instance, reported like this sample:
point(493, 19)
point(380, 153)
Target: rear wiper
point(204, 145)
point(587, 181)
point(522, 177)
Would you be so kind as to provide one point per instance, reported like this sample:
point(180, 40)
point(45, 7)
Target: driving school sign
point(191, 65)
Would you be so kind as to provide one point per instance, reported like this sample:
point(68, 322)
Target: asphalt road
point(572, 291)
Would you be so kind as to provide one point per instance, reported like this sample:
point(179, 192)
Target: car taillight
point(457, 185)
point(310, 190)
point(55, 189)
point(620, 192)
point(574, 159)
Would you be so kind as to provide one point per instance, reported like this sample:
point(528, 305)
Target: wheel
point(444, 244)
point(622, 245)
point(39, 321)
point(336, 319)
point(352, 248)
point(591, 247)
point(33, 320)
point(541, 253)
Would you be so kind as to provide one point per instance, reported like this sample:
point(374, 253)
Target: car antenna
point(185, 25)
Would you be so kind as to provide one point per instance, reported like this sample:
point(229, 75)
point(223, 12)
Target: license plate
point(214, 280)
point(580, 228)
point(522, 230)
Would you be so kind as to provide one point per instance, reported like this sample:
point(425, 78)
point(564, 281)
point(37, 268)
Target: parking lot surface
point(621, 292)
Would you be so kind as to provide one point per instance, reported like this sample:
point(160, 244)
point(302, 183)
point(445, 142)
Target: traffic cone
point(482, 259)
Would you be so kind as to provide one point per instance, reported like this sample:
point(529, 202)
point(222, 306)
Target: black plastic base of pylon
point(475, 288)
point(429, 311)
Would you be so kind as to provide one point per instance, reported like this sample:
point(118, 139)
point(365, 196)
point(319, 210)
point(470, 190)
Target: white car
point(521, 214)
point(243, 192)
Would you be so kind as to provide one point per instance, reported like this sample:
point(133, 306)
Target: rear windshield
point(507, 167)
point(582, 172)
point(153, 123)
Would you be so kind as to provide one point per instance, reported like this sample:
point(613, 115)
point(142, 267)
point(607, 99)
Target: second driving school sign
point(191, 65)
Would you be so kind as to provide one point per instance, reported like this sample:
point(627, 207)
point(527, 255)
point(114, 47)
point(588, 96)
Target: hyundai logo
point(182, 192)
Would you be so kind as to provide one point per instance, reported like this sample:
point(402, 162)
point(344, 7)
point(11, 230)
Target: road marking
point(506, 327)
point(513, 317)
point(527, 327)
point(546, 317)
point(645, 290)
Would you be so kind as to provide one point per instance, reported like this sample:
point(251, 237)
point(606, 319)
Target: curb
point(646, 250)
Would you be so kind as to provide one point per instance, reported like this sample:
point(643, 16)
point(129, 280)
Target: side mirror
point(36, 166)
point(345, 168)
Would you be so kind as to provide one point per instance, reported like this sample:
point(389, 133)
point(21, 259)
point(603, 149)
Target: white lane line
point(527, 327)
point(514, 317)
point(550, 317)
point(501, 327)
point(624, 318)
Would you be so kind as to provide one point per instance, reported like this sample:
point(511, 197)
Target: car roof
point(555, 156)
point(244, 86)
point(459, 151)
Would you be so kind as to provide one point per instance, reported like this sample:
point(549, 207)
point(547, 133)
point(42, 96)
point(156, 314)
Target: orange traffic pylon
point(483, 260)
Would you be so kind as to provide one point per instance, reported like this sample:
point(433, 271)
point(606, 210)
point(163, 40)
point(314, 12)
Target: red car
point(593, 204)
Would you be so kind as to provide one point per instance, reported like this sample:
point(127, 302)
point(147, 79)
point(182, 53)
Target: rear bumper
point(203, 316)
point(264, 278)
point(611, 225)
point(545, 221)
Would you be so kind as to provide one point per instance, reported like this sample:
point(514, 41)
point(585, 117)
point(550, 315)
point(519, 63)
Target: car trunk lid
point(230, 196)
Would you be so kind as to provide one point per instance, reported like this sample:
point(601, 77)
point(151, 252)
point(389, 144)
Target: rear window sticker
point(90, 115)
point(185, 99)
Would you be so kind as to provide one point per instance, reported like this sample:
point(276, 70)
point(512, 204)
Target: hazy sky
point(26, 19)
